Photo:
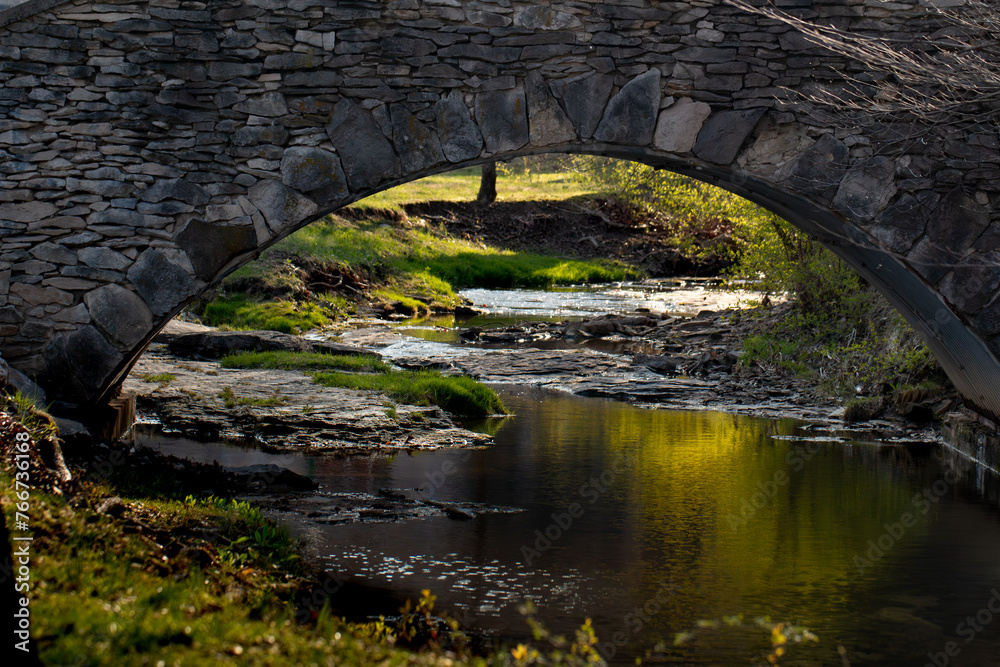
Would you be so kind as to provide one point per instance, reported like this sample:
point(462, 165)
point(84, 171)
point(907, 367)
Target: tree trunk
point(488, 185)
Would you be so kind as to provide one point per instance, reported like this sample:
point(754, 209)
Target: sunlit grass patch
point(231, 400)
point(305, 361)
point(239, 312)
point(436, 264)
point(456, 394)
point(516, 181)
point(161, 378)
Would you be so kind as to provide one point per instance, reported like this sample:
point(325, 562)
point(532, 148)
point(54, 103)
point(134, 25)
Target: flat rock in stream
point(284, 410)
point(271, 478)
point(217, 344)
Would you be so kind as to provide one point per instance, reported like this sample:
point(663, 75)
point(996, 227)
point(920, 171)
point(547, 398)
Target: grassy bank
point(457, 394)
point(376, 255)
point(128, 572)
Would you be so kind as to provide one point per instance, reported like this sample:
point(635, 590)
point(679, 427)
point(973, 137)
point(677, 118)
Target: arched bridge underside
point(147, 149)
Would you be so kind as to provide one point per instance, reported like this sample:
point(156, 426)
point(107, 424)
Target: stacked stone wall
point(148, 148)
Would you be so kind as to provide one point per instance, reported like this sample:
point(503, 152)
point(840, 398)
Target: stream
point(657, 522)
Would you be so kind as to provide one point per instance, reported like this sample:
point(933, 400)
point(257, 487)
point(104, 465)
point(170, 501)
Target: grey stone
point(50, 252)
point(930, 261)
point(548, 123)
point(40, 296)
point(460, 137)
point(366, 155)
point(972, 283)
point(211, 247)
point(503, 119)
point(898, 227)
point(224, 71)
point(584, 101)
point(91, 359)
point(27, 212)
point(630, 117)
point(725, 132)
point(866, 189)
point(176, 188)
point(418, 145)
point(78, 314)
point(540, 17)
point(679, 124)
point(818, 171)
point(252, 135)
point(987, 322)
point(957, 222)
point(315, 172)
point(120, 314)
point(161, 282)
point(269, 104)
point(281, 206)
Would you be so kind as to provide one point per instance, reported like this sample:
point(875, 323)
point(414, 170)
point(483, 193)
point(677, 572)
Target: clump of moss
point(239, 312)
point(305, 361)
point(456, 394)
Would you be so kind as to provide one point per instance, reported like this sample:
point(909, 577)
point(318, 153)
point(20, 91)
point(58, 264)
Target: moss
point(230, 400)
point(459, 395)
point(162, 378)
point(239, 312)
point(310, 361)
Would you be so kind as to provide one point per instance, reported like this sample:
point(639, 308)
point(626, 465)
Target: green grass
point(443, 263)
point(516, 181)
point(458, 395)
point(304, 361)
point(231, 400)
point(239, 312)
point(162, 378)
point(102, 596)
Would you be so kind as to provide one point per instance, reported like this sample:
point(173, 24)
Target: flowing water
point(652, 522)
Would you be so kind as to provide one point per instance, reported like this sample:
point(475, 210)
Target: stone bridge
point(149, 148)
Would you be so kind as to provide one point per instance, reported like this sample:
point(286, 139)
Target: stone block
point(548, 123)
point(281, 206)
point(540, 17)
point(211, 247)
point(899, 226)
point(957, 221)
point(27, 212)
point(366, 154)
point(866, 188)
point(460, 137)
point(50, 252)
point(679, 124)
point(120, 314)
point(418, 146)
point(161, 282)
point(584, 101)
point(274, 135)
point(724, 133)
point(176, 188)
point(269, 104)
point(503, 120)
point(630, 117)
point(818, 171)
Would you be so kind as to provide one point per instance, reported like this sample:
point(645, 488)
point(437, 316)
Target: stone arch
point(152, 149)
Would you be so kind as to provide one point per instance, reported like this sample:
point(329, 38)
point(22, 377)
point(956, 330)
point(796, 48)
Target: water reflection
point(649, 521)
